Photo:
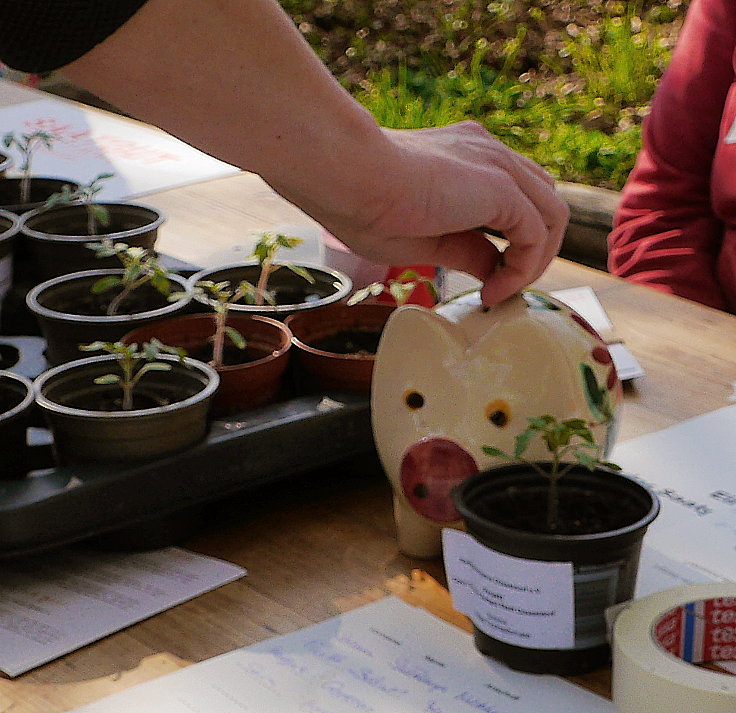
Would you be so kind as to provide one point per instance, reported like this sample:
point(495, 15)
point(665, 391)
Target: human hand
point(438, 187)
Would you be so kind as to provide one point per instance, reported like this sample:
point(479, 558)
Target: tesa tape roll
point(657, 640)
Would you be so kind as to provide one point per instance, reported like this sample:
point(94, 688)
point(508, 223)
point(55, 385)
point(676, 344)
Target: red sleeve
point(665, 233)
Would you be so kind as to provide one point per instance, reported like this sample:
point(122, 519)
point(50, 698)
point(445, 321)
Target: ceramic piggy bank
point(449, 381)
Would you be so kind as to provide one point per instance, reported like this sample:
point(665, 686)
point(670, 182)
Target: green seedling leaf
point(107, 379)
point(235, 337)
point(302, 272)
point(106, 283)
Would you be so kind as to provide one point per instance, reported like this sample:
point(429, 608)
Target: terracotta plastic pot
point(293, 293)
point(82, 433)
point(56, 238)
point(16, 405)
point(65, 329)
point(316, 330)
point(604, 560)
point(255, 382)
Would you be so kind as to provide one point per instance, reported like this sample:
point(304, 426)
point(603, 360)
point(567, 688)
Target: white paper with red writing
point(89, 142)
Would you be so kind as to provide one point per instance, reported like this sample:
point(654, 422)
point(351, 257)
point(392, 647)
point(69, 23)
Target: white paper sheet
point(691, 467)
point(386, 657)
point(51, 605)
point(585, 302)
point(89, 142)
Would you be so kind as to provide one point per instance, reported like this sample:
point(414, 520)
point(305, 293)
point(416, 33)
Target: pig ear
point(412, 330)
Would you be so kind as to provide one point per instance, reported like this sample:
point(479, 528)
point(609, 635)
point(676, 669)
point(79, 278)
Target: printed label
point(522, 602)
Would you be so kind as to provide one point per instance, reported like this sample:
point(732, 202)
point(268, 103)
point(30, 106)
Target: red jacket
point(675, 229)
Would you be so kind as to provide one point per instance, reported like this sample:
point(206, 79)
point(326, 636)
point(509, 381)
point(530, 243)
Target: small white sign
point(53, 604)
point(89, 142)
point(522, 602)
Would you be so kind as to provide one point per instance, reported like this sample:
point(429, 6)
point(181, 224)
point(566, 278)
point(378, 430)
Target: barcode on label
point(595, 591)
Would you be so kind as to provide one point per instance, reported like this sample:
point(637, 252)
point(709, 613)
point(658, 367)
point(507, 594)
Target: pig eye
point(413, 399)
point(498, 412)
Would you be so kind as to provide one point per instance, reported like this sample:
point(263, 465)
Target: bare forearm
point(236, 79)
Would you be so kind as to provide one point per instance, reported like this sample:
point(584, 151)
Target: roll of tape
point(659, 640)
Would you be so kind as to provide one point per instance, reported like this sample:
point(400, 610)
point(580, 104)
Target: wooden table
point(323, 544)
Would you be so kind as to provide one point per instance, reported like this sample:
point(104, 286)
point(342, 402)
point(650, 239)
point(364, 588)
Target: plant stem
point(218, 343)
point(25, 188)
point(127, 386)
point(115, 302)
point(266, 270)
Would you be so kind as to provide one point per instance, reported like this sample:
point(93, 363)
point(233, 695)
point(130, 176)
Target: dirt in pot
point(231, 355)
point(9, 356)
point(582, 511)
point(9, 400)
point(143, 299)
point(349, 341)
point(113, 401)
point(293, 295)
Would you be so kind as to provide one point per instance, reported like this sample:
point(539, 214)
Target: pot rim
point(209, 389)
point(27, 400)
point(275, 323)
point(346, 285)
point(373, 306)
point(6, 161)
point(32, 299)
point(15, 222)
point(525, 535)
point(34, 234)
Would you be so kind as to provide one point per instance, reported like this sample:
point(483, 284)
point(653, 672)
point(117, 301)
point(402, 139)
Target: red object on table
point(421, 295)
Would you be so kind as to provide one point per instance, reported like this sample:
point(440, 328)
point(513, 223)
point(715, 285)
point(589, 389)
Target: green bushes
point(566, 82)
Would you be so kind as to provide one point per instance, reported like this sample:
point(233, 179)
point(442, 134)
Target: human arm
point(666, 231)
point(236, 79)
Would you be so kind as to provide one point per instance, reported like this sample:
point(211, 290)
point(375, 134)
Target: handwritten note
point(690, 466)
point(50, 605)
point(88, 142)
point(382, 658)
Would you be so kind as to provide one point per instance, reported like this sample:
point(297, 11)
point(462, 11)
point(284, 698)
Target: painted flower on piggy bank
point(448, 381)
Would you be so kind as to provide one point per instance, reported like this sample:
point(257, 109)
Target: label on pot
point(521, 602)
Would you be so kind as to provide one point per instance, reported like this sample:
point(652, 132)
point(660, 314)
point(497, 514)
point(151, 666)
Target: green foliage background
point(566, 82)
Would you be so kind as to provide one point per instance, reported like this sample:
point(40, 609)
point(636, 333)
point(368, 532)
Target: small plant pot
point(88, 425)
point(69, 315)
point(603, 517)
point(336, 345)
point(16, 406)
point(42, 188)
point(56, 238)
point(292, 292)
point(9, 225)
point(254, 381)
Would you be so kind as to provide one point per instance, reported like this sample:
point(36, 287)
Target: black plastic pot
point(293, 293)
point(85, 434)
point(9, 226)
point(612, 553)
point(42, 188)
point(56, 238)
point(6, 162)
point(64, 329)
point(16, 405)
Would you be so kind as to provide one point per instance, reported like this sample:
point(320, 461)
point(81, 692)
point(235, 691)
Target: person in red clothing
point(675, 227)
